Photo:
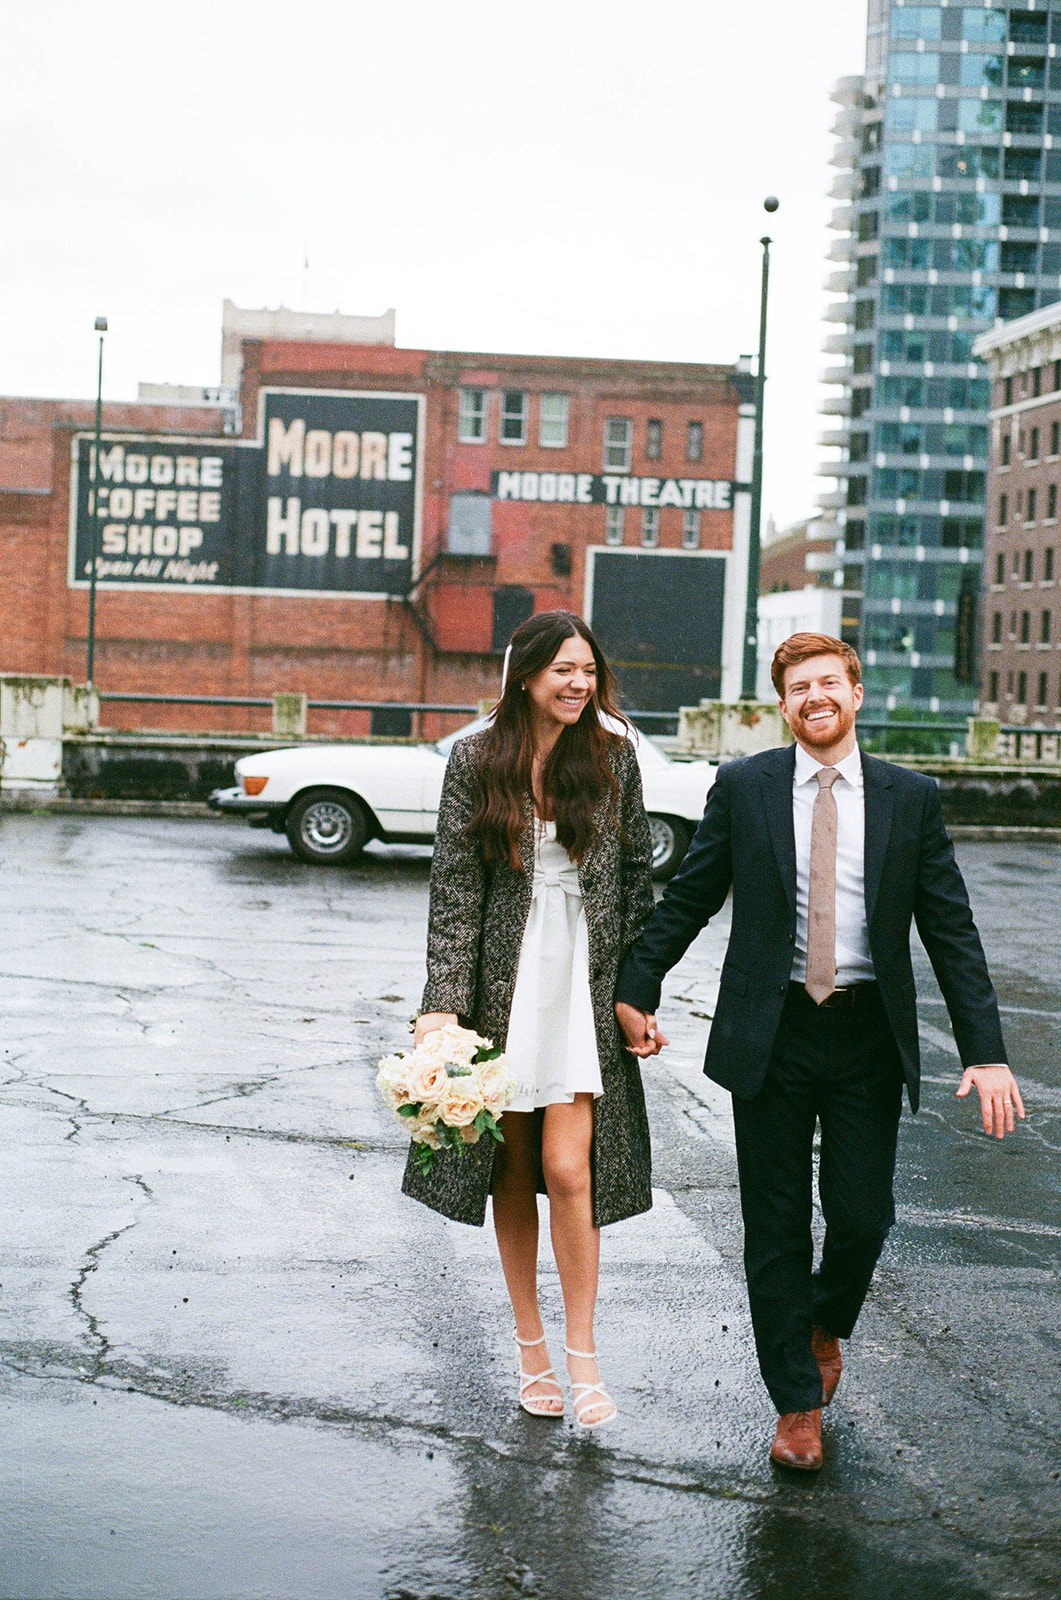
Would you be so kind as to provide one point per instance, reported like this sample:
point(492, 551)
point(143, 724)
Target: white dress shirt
point(854, 964)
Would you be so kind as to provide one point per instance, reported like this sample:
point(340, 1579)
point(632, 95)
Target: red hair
point(801, 647)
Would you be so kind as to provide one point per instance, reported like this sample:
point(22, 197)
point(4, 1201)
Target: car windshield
point(648, 754)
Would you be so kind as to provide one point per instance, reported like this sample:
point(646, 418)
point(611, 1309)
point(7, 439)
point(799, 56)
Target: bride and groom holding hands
point(543, 936)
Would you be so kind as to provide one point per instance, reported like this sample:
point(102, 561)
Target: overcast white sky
point(574, 177)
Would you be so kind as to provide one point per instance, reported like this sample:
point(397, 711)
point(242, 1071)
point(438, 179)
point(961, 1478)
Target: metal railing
point(883, 734)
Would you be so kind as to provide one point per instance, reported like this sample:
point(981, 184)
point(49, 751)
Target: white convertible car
point(331, 799)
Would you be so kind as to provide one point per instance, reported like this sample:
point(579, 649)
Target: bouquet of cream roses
point(449, 1091)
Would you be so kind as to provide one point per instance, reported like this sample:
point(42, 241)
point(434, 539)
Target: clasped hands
point(640, 1030)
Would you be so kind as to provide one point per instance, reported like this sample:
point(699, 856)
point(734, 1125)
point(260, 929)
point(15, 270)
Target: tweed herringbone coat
point(477, 919)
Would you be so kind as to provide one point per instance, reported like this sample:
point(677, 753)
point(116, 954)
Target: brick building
point(1020, 669)
point(363, 522)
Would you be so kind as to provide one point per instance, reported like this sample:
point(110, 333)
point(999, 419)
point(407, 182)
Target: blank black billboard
point(658, 616)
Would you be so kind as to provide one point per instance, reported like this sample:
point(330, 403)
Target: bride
point(540, 882)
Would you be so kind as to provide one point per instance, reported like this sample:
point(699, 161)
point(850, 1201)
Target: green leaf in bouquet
point(485, 1054)
point(486, 1122)
point(411, 1109)
point(424, 1158)
point(457, 1069)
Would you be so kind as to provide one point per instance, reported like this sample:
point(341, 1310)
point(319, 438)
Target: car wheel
point(327, 825)
point(670, 841)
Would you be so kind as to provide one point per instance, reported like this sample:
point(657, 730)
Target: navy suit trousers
point(839, 1068)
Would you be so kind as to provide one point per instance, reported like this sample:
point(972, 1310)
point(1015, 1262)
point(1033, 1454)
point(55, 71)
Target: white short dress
point(552, 1039)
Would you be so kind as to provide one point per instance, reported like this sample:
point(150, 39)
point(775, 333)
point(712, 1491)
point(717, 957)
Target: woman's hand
point(430, 1022)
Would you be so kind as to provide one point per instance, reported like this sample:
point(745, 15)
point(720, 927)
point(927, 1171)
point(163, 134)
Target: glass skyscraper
point(949, 151)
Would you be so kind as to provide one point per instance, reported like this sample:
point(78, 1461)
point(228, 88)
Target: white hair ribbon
point(504, 667)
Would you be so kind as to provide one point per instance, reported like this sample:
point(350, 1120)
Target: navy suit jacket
point(746, 841)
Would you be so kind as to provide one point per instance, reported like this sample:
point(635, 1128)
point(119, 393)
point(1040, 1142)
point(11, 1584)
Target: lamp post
point(101, 328)
point(750, 671)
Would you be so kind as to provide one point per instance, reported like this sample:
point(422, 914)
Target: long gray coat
point(478, 915)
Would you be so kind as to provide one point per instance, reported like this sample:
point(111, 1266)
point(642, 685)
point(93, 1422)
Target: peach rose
point(461, 1103)
point(497, 1082)
point(428, 1079)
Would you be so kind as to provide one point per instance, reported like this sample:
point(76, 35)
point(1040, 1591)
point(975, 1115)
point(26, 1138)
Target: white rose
point(392, 1081)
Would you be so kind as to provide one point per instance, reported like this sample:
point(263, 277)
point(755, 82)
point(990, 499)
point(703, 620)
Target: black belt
point(848, 998)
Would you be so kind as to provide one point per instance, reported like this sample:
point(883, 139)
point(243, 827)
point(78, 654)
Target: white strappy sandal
point(539, 1405)
point(581, 1392)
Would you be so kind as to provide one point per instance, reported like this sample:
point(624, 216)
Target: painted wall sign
point(326, 501)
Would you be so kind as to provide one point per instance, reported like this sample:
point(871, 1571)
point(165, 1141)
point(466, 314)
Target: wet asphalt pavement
point(237, 1363)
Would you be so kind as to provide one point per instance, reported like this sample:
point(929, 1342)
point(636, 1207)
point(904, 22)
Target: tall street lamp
point(750, 671)
point(101, 328)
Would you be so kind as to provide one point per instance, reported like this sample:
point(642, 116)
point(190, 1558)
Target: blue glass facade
point(950, 157)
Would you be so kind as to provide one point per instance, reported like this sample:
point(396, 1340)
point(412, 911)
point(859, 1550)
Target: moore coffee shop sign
point(327, 500)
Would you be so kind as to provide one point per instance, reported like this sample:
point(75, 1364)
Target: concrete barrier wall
point(186, 767)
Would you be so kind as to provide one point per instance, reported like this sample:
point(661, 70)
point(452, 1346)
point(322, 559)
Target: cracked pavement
point(236, 1362)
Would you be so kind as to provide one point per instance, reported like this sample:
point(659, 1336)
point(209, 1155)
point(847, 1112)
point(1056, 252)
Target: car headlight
point(253, 785)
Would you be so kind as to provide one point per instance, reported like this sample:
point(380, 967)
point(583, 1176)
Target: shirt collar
point(850, 768)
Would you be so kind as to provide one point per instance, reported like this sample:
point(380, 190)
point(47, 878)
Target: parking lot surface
point(238, 1363)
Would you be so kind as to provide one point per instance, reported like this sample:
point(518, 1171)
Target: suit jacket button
point(781, 988)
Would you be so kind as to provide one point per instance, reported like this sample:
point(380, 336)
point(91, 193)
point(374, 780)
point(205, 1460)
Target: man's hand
point(642, 1036)
point(999, 1096)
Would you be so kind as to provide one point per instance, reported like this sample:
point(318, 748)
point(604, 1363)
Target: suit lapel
point(877, 781)
point(775, 782)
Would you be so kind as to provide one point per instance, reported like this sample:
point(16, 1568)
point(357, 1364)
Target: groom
point(830, 855)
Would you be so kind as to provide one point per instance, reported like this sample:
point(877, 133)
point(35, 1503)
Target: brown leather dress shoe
point(830, 1362)
point(798, 1441)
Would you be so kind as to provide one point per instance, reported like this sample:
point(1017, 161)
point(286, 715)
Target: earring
point(523, 686)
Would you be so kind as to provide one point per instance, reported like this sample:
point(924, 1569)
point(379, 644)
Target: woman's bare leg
point(567, 1134)
point(515, 1197)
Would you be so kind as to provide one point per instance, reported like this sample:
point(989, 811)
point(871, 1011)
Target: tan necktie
point(821, 891)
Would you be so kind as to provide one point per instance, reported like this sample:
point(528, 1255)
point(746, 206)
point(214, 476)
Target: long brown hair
point(577, 773)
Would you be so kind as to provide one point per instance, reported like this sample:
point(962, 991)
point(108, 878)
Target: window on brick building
point(996, 628)
point(690, 530)
point(650, 527)
point(654, 439)
point(618, 442)
point(1044, 627)
point(1048, 564)
point(1037, 386)
point(1022, 688)
point(1040, 699)
point(1007, 391)
point(1013, 624)
point(993, 686)
point(1029, 566)
point(614, 517)
point(1031, 502)
point(513, 416)
point(474, 410)
point(1003, 507)
point(471, 524)
point(512, 605)
point(1057, 375)
point(1055, 438)
point(1007, 445)
point(553, 413)
point(1025, 627)
point(1000, 568)
point(694, 441)
point(1051, 500)
point(1033, 442)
